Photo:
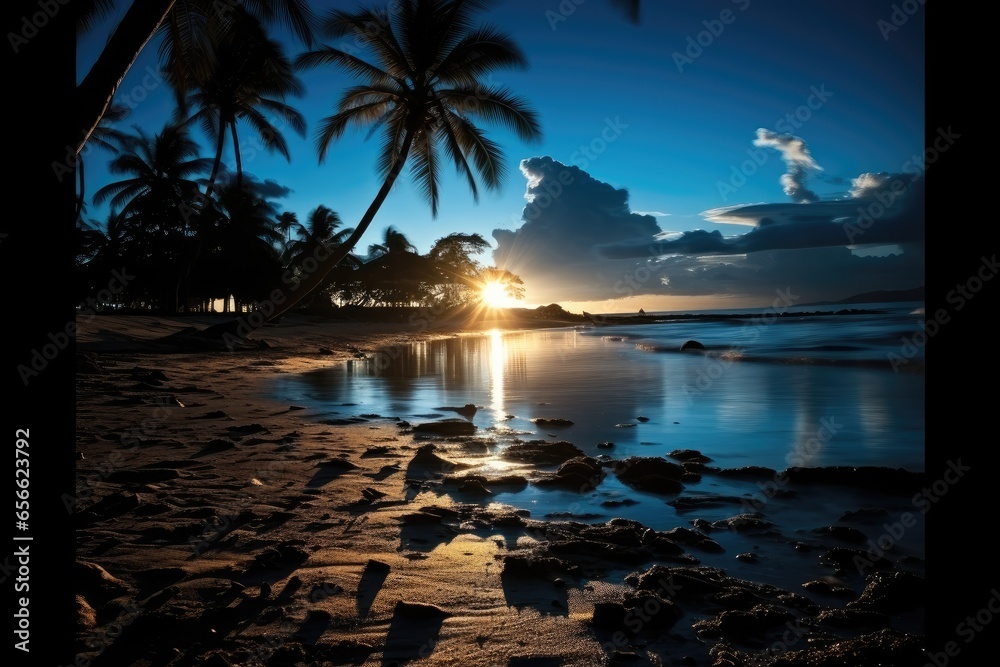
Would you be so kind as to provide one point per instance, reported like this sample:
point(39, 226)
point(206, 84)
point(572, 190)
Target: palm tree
point(160, 170)
point(393, 242)
point(184, 28)
point(154, 201)
point(423, 90)
point(285, 223)
point(247, 76)
point(238, 254)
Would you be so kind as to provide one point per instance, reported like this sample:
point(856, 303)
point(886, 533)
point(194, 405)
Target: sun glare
point(494, 295)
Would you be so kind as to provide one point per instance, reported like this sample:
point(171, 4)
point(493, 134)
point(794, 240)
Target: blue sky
point(668, 110)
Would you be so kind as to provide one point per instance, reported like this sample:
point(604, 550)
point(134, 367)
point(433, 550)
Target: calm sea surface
point(802, 390)
point(809, 390)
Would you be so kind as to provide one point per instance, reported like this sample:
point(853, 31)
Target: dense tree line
point(197, 233)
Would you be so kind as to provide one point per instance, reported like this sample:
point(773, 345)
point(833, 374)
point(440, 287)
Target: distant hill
point(880, 296)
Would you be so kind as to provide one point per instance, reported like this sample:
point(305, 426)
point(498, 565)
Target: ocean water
point(775, 392)
point(809, 391)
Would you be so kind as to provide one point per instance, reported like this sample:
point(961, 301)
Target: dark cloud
point(887, 209)
point(569, 216)
point(580, 242)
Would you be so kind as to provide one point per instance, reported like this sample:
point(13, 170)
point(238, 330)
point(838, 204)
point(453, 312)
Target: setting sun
point(494, 295)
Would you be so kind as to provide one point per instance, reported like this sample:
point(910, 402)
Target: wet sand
point(216, 526)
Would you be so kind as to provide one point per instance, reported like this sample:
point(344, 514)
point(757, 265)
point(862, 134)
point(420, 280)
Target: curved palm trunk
point(313, 280)
point(239, 158)
point(95, 92)
point(220, 146)
point(79, 199)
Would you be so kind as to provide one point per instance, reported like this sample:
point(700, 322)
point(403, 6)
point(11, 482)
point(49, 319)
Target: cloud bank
point(580, 241)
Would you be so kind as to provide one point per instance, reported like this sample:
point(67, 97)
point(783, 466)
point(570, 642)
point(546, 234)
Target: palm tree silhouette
point(247, 77)
point(423, 89)
point(160, 170)
point(285, 223)
point(393, 242)
point(154, 201)
point(184, 27)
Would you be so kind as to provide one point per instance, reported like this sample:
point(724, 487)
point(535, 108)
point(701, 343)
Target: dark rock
point(800, 602)
point(540, 452)
point(624, 502)
point(656, 613)
point(468, 410)
point(609, 615)
point(650, 474)
point(278, 557)
point(540, 567)
point(474, 487)
point(748, 556)
point(694, 538)
point(886, 648)
point(689, 455)
point(740, 624)
point(605, 445)
point(854, 559)
point(571, 481)
point(680, 583)
point(891, 592)
point(747, 472)
point(745, 523)
point(584, 548)
point(823, 587)
point(581, 474)
point(691, 345)
point(446, 427)
point(556, 422)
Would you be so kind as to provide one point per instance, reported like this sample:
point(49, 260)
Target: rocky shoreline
point(214, 527)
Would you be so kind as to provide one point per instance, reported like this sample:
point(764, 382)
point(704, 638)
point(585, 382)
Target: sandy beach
point(216, 526)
